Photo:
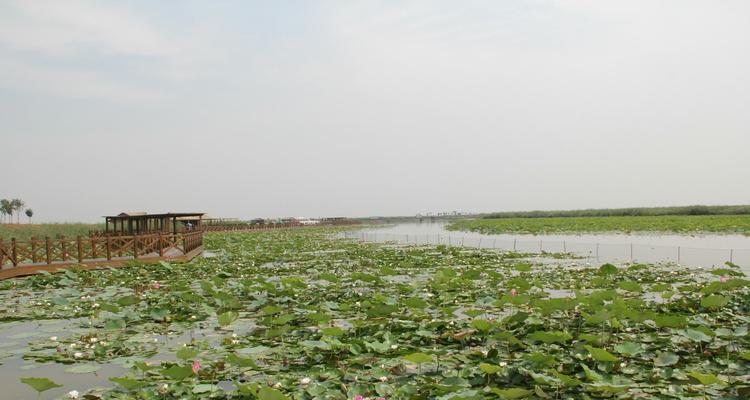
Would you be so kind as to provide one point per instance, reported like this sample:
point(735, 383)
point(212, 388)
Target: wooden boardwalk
point(19, 258)
point(22, 258)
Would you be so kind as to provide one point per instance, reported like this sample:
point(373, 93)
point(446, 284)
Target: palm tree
point(29, 213)
point(5, 208)
point(17, 205)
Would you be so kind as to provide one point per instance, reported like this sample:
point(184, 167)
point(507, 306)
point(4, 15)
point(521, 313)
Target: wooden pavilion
point(139, 223)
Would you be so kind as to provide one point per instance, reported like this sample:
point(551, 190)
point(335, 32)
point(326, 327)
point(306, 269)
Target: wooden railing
point(97, 248)
point(18, 258)
point(247, 227)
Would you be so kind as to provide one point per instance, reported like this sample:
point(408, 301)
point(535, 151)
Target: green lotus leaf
point(601, 354)
point(418, 358)
point(665, 359)
point(512, 393)
point(706, 379)
point(490, 369)
point(40, 384)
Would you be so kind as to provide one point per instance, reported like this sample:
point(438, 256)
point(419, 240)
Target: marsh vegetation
point(296, 314)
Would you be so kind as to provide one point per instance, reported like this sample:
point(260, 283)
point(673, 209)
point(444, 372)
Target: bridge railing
point(62, 250)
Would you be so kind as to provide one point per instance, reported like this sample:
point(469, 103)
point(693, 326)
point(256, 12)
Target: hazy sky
point(304, 108)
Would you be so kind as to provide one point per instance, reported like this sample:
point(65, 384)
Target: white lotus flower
point(73, 394)
point(53, 338)
point(305, 381)
point(78, 354)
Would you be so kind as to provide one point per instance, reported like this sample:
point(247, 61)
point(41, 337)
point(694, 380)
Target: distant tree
point(6, 208)
point(17, 206)
point(29, 213)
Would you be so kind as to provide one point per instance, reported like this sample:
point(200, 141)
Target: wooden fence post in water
point(731, 255)
point(514, 244)
point(13, 252)
point(679, 255)
point(631, 252)
point(80, 248)
point(48, 249)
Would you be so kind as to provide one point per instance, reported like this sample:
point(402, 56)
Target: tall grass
point(27, 231)
point(686, 224)
point(626, 212)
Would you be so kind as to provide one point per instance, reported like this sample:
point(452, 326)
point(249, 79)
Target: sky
point(358, 108)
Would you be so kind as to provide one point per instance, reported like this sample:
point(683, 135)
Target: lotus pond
point(296, 314)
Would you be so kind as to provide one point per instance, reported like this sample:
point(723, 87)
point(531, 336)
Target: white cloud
point(56, 27)
point(27, 77)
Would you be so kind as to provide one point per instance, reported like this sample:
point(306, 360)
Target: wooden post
point(109, 248)
point(631, 252)
point(514, 244)
point(135, 246)
point(33, 249)
point(13, 252)
point(161, 248)
point(48, 249)
point(63, 248)
point(731, 255)
point(92, 240)
point(679, 255)
point(80, 249)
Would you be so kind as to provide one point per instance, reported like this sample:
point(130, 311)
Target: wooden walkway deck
point(22, 258)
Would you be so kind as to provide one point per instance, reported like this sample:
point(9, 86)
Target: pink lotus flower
point(723, 279)
point(196, 366)
point(156, 285)
point(359, 397)
point(513, 293)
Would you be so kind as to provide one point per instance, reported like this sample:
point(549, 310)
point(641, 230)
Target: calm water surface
point(698, 250)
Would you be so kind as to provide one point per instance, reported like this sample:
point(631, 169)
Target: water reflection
point(696, 250)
